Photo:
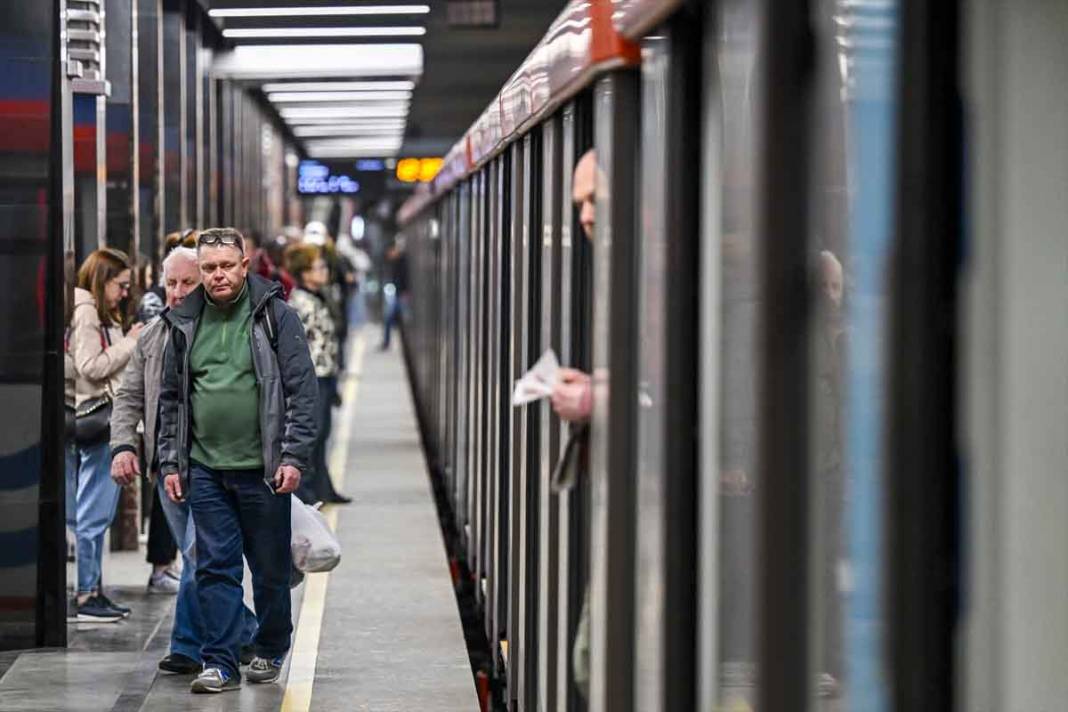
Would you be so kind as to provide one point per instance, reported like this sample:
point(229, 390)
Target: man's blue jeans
point(187, 636)
point(237, 512)
point(95, 502)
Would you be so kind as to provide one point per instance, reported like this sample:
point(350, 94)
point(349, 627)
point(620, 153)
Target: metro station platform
point(381, 632)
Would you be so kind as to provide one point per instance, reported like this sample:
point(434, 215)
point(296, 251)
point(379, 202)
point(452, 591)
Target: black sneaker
point(262, 670)
point(96, 611)
point(248, 654)
point(214, 679)
point(124, 610)
point(179, 664)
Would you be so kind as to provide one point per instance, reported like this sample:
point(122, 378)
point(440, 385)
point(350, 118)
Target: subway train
point(822, 306)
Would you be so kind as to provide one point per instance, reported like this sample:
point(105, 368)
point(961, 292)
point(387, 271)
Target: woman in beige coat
point(98, 350)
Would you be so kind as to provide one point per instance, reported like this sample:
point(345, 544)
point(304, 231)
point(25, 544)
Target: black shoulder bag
point(92, 419)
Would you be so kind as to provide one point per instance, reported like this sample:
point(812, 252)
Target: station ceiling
point(465, 61)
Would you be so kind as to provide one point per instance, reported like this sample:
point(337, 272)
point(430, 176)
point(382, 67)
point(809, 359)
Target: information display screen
point(314, 178)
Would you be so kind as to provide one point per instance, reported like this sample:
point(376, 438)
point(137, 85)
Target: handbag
point(566, 472)
point(92, 419)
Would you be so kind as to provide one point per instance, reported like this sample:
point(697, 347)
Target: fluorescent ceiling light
point(320, 11)
point(347, 129)
point(284, 97)
point(273, 32)
point(353, 147)
point(297, 61)
point(334, 132)
point(350, 121)
point(350, 143)
point(274, 87)
point(365, 112)
point(351, 154)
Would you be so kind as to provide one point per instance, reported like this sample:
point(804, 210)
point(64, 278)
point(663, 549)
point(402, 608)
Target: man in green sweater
point(237, 428)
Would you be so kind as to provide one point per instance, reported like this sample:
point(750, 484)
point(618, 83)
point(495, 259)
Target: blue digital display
point(313, 178)
point(370, 164)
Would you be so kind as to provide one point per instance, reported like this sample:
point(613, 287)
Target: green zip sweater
point(225, 398)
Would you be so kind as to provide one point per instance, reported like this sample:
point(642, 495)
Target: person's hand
point(286, 479)
point(173, 485)
point(125, 467)
point(135, 330)
point(572, 397)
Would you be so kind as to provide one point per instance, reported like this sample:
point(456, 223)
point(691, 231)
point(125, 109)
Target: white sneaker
point(162, 583)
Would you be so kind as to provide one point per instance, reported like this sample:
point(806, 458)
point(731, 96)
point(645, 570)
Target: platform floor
point(379, 633)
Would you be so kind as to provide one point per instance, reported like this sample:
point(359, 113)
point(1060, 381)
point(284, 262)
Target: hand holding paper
point(538, 382)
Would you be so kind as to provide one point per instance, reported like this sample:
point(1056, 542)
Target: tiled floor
point(390, 636)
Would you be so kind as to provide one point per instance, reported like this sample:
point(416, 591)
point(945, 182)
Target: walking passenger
point(306, 263)
point(99, 352)
point(137, 401)
point(162, 548)
point(237, 429)
point(398, 260)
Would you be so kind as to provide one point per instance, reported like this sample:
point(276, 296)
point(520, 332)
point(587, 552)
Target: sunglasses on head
point(220, 237)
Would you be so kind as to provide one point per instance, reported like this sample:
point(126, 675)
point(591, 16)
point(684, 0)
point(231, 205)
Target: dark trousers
point(236, 513)
point(316, 486)
point(162, 548)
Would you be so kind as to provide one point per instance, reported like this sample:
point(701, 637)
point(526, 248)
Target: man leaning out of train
point(237, 428)
point(137, 401)
point(572, 397)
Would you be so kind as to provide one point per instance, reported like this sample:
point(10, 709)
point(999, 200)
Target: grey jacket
point(286, 377)
point(138, 397)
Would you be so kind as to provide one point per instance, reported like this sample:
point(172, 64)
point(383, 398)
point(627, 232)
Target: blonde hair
point(300, 258)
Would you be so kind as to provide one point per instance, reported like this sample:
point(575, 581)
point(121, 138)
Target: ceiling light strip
point(333, 11)
point(277, 32)
point(366, 112)
point(284, 97)
point(274, 87)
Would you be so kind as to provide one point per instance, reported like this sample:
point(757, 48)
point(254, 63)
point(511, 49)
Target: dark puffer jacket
point(286, 377)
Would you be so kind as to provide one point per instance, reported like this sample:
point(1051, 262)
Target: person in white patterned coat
point(308, 267)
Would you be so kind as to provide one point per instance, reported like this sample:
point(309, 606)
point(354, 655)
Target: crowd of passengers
point(222, 387)
point(220, 390)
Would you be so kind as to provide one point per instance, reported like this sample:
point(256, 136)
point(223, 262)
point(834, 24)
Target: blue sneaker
point(262, 670)
point(214, 679)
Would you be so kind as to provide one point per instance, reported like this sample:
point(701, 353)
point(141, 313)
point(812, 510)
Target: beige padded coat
point(97, 367)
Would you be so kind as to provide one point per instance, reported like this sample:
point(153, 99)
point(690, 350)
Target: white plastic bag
point(315, 547)
point(538, 382)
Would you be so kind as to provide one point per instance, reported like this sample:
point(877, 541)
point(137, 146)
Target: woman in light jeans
point(99, 351)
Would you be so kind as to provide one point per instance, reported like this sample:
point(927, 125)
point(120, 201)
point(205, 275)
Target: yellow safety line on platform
point(305, 653)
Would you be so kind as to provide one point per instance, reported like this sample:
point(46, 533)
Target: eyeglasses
point(123, 286)
point(230, 238)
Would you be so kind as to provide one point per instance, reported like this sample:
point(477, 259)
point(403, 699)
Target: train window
point(851, 199)
point(739, 324)
point(667, 245)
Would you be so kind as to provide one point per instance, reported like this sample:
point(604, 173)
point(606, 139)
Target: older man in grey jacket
point(137, 401)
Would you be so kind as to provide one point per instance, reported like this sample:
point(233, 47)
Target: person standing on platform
point(99, 352)
point(138, 401)
point(307, 264)
point(237, 429)
point(398, 260)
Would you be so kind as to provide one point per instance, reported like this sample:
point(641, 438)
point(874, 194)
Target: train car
point(783, 324)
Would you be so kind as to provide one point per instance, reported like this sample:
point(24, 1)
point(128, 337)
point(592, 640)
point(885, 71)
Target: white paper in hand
point(538, 382)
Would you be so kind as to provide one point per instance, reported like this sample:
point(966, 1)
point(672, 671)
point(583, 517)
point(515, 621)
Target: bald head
point(583, 190)
point(831, 278)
